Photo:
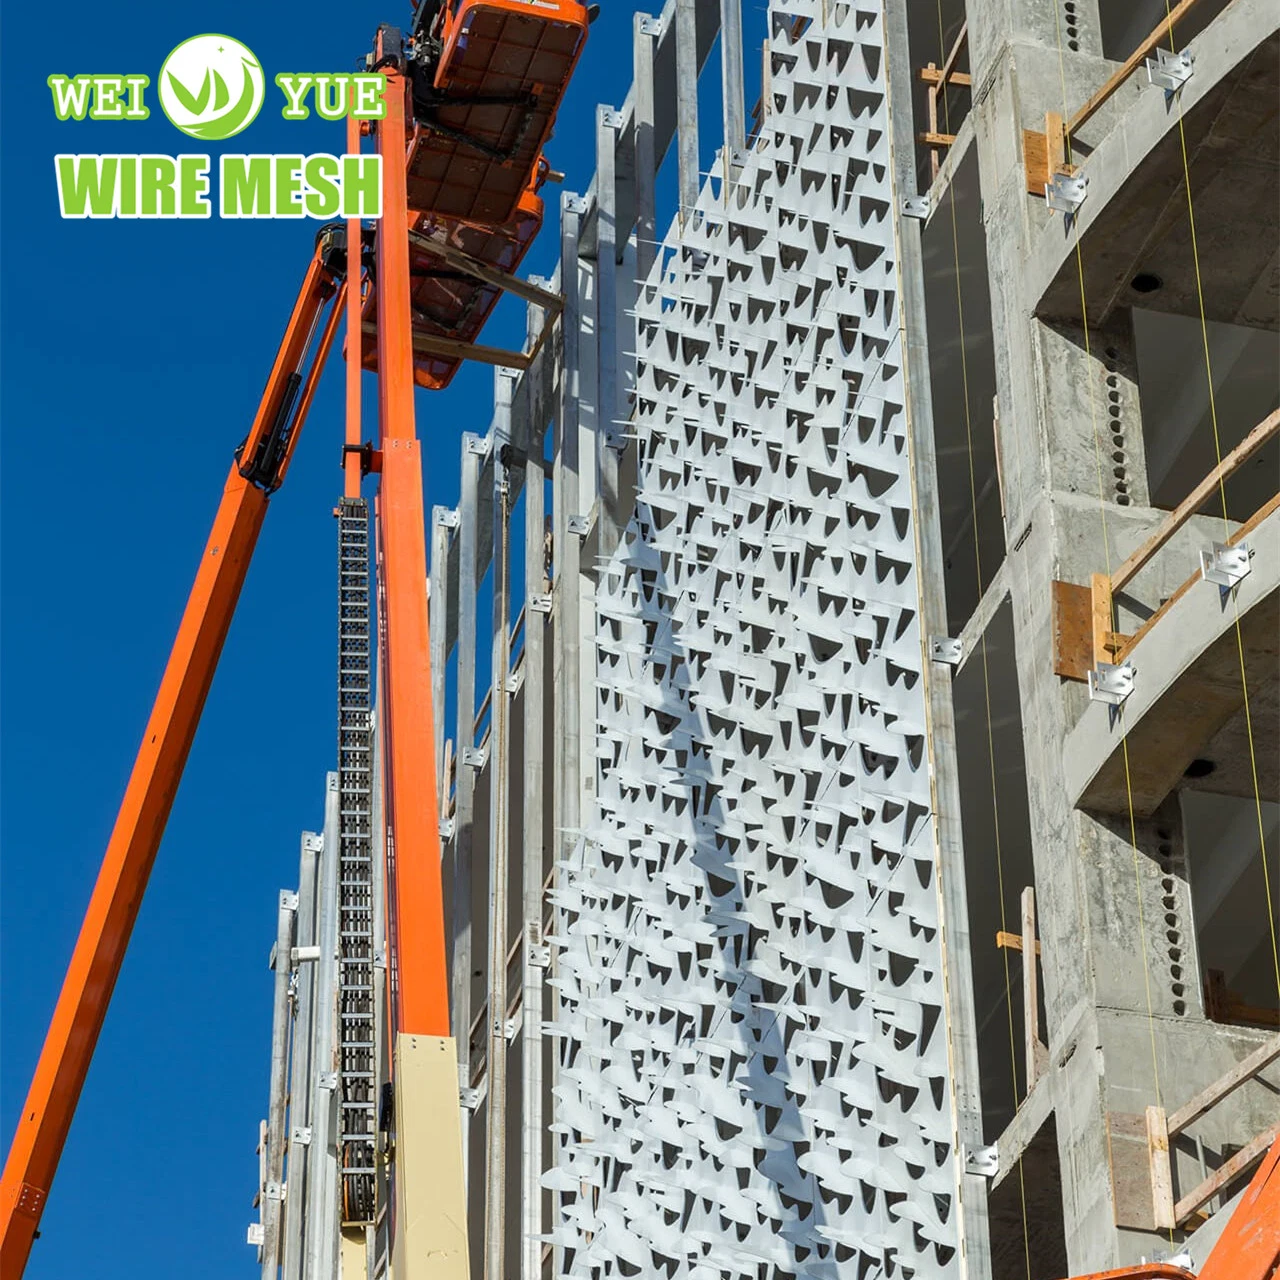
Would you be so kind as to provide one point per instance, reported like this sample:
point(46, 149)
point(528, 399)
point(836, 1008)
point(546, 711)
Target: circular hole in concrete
point(1199, 768)
point(1146, 282)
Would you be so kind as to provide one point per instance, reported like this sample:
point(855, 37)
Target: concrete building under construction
point(854, 664)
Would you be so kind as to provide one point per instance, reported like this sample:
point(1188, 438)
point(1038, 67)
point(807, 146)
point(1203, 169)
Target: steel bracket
point(915, 207)
point(1111, 683)
point(273, 1191)
point(469, 1098)
point(539, 955)
point(328, 1080)
point(1225, 565)
point(945, 649)
point(540, 604)
point(983, 1161)
point(514, 681)
point(609, 118)
point(581, 525)
point(510, 1029)
point(447, 517)
point(1065, 192)
point(479, 445)
point(475, 756)
point(301, 1135)
point(256, 1234)
point(288, 900)
point(1170, 71)
point(446, 828)
point(648, 25)
point(572, 203)
point(304, 955)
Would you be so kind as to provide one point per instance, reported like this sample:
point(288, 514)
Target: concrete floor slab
point(1188, 689)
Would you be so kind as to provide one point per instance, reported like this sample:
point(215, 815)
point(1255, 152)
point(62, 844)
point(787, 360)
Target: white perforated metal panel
point(753, 1073)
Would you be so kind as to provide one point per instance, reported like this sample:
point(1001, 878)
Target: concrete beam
point(1135, 214)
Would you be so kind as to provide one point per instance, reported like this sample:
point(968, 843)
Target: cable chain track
point(357, 1056)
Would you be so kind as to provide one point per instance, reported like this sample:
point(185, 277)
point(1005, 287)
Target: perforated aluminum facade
point(754, 1066)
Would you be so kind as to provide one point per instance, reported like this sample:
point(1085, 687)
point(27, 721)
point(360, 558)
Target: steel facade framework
point(707, 761)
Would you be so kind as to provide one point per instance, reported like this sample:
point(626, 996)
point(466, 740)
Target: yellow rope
point(1222, 494)
point(986, 677)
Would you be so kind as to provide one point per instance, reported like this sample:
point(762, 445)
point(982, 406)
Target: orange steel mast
point(422, 993)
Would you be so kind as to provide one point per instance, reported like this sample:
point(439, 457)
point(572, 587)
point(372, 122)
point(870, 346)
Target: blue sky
point(133, 355)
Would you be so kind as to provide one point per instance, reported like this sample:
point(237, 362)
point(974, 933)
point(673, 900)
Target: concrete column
point(1123, 1019)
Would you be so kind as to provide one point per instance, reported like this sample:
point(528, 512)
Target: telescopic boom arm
point(258, 469)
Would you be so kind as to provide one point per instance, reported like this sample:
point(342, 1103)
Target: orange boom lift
point(470, 101)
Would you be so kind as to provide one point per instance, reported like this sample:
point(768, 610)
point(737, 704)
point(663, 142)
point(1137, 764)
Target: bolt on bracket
point(1225, 565)
point(446, 828)
point(475, 756)
point(581, 525)
point(540, 604)
point(915, 206)
point(1065, 192)
point(984, 1161)
point(447, 517)
point(945, 649)
point(1111, 683)
point(1170, 71)
point(649, 25)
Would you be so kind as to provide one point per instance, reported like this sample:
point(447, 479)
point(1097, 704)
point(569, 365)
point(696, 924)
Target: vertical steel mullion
point(322, 1228)
point(735, 135)
point(687, 104)
point(644, 38)
point(532, 988)
point(300, 1067)
point(609, 438)
point(566, 552)
point(439, 612)
point(281, 962)
point(495, 1146)
point(465, 767)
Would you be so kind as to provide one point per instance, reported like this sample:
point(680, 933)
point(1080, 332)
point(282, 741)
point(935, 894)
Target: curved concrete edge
point(1230, 38)
point(1196, 622)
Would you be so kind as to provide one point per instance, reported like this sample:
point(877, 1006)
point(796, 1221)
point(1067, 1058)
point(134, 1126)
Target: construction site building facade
point(855, 660)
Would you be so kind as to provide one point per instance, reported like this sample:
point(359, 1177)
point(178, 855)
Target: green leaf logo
point(213, 63)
